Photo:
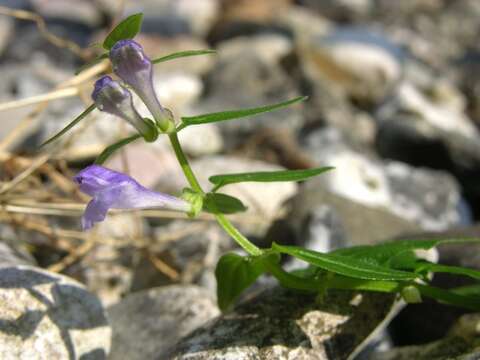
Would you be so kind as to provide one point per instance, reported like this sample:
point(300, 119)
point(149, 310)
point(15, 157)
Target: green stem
point(237, 235)
point(221, 219)
point(182, 159)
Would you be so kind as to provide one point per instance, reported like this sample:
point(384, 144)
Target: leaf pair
point(387, 267)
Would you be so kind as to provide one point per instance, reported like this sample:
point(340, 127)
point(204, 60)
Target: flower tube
point(110, 96)
point(132, 65)
point(114, 190)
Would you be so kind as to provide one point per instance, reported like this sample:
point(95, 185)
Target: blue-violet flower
point(112, 189)
point(132, 65)
point(110, 96)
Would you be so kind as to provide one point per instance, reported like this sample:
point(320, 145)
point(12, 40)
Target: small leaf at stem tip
point(222, 203)
point(266, 176)
point(344, 265)
point(91, 63)
point(109, 150)
point(126, 29)
point(235, 114)
point(181, 54)
point(235, 273)
point(71, 125)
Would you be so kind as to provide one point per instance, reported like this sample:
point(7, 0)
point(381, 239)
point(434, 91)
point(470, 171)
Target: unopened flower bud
point(110, 96)
point(132, 65)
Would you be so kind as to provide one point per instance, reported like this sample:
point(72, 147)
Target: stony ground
point(393, 104)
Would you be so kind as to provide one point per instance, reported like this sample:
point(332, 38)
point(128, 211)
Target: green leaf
point(468, 290)
point(109, 150)
point(235, 114)
point(91, 63)
point(71, 125)
point(344, 265)
point(181, 54)
point(235, 273)
point(450, 297)
point(126, 29)
point(424, 266)
point(266, 176)
point(222, 203)
point(389, 252)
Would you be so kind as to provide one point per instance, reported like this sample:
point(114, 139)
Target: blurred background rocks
point(393, 105)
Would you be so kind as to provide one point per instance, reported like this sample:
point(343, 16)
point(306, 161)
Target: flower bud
point(132, 65)
point(113, 98)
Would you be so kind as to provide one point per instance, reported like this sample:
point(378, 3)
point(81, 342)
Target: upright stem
point(182, 159)
point(221, 219)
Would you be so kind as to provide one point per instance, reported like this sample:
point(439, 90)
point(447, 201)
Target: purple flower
point(132, 65)
point(113, 98)
point(111, 189)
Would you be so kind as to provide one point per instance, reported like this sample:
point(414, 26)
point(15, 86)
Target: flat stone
point(49, 316)
point(146, 323)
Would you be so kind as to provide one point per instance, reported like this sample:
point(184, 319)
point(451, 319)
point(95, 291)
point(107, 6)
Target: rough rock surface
point(48, 316)
point(146, 323)
point(280, 324)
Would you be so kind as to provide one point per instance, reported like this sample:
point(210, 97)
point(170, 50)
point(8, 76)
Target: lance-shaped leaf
point(126, 29)
point(109, 150)
point(450, 297)
point(344, 265)
point(266, 176)
point(235, 114)
point(91, 63)
point(235, 273)
point(71, 125)
point(393, 251)
point(424, 266)
point(181, 54)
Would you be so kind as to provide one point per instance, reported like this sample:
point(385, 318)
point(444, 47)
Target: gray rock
point(363, 64)
point(429, 198)
point(146, 323)
point(280, 324)
point(362, 224)
point(6, 32)
point(249, 81)
point(46, 315)
point(85, 11)
point(342, 10)
point(175, 17)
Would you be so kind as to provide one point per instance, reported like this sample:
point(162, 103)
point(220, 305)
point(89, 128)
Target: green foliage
point(126, 29)
point(345, 265)
point(182, 54)
point(70, 125)
point(109, 150)
point(235, 114)
point(266, 176)
point(235, 273)
point(222, 203)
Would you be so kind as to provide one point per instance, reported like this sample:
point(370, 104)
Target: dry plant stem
point(221, 219)
point(53, 95)
point(164, 268)
point(42, 27)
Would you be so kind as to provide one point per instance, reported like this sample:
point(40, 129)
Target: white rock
point(365, 65)
point(49, 316)
point(445, 118)
point(269, 47)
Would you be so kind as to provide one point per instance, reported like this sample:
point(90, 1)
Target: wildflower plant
point(391, 267)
